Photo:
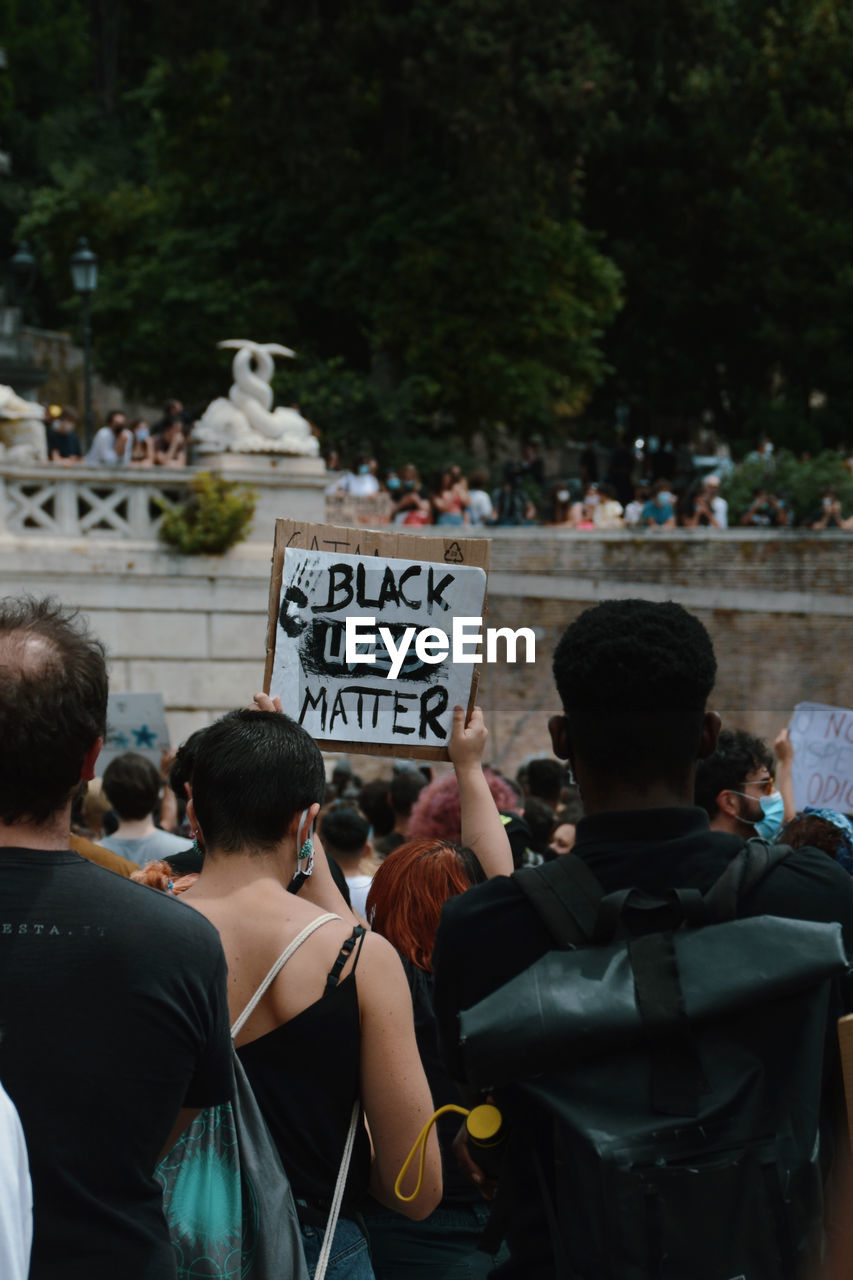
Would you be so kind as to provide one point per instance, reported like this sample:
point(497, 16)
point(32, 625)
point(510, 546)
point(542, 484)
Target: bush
point(800, 482)
point(214, 518)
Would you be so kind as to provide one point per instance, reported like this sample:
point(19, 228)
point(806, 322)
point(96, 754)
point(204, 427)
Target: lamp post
point(84, 275)
point(22, 270)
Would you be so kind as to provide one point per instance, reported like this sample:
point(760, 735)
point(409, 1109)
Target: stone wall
point(779, 609)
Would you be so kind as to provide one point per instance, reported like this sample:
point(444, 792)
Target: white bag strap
point(337, 1198)
point(277, 968)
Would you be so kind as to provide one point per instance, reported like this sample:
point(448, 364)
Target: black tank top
point(305, 1076)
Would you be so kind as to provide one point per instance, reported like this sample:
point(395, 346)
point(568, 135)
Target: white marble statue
point(246, 422)
point(23, 438)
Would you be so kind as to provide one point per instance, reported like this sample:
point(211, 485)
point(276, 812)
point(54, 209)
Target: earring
point(307, 852)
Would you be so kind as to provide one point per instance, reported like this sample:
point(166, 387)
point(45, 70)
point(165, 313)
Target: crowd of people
point(119, 442)
point(140, 917)
point(635, 489)
point(451, 499)
point(655, 488)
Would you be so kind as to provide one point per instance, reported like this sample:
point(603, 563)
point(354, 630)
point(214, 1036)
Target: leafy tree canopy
point(460, 212)
point(392, 192)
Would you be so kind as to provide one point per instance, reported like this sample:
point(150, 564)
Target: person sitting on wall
point(360, 481)
point(709, 509)
point(412, 504)
point(479, 503)
point(111, 445)
point(142, 444)
point(830, 515)
point(766, 511)
point(169, 446)
point(608, 512)
point(659, 511)
point(63, 443)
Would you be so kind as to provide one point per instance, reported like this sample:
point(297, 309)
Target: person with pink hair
point(437, 813)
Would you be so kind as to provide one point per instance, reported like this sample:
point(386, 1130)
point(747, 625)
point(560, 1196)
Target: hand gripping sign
point(374, 637)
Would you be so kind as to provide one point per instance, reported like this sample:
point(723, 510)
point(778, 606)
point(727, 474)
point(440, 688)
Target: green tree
point(419, 228)
point(722, 185)
point(801, 483)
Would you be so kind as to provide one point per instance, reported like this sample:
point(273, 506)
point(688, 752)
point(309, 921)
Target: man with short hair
point(634, 678)
point(545, 780)
point(736, 786)
point(132, 786)
point(111, 445)
point(113, 1005)
point(345, 833)
point(404, 789)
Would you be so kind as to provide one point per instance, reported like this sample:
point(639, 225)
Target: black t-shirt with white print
point(113, 1016)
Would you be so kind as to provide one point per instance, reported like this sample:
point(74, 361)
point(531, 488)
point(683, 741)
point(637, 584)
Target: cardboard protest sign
point(396, 601)
point(822, 737)
point(135, 722)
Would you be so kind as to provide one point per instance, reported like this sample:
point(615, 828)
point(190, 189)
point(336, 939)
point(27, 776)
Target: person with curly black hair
point(737, 785)
point(634, 678)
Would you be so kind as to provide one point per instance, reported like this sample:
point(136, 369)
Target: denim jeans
point(442, 1247)
point(350, 1257)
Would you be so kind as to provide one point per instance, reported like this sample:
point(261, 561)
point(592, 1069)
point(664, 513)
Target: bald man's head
point(53, 706)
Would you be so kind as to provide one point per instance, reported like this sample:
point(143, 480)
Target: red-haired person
point(404, 905)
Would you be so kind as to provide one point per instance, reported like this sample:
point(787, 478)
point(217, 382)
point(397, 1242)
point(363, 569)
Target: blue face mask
point(772, 810)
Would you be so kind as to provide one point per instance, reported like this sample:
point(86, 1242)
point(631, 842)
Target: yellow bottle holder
point(483, 1124)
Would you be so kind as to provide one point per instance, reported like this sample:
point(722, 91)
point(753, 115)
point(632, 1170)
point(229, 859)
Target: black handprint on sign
point(295, 598)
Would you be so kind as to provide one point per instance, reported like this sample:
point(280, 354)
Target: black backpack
point(666, 1066)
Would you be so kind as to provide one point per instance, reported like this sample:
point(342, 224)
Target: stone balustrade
point(126, 503)
point(778, 606)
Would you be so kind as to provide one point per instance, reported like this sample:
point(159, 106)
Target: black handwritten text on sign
point(348, 701)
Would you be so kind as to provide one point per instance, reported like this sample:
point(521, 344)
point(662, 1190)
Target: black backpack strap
point(756, 859)
point(566, 895)
point(555, 1230)
point(677, 1075)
